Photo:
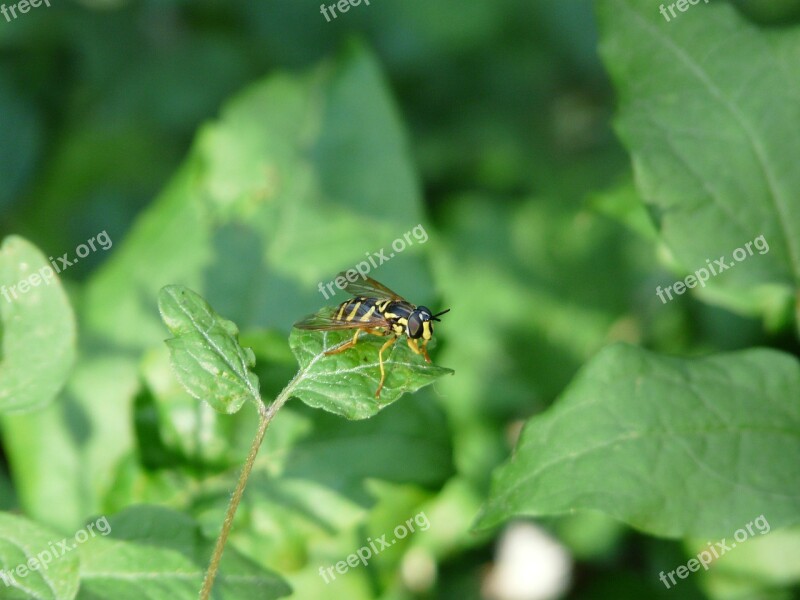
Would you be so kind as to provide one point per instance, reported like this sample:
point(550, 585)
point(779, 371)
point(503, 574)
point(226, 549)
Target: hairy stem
point(266, 415)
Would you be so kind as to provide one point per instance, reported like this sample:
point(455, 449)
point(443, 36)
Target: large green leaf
point(345, 383)
point(675, 447)
point(37, 563)
point(205, 353)
point(159, 554)
point(38, 328)
point(278, 194)
point(705, 101)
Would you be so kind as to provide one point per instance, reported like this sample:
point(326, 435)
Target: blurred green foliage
point(252, 150)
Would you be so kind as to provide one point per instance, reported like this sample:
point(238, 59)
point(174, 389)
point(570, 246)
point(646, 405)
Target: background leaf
point(71, 449)
point(712, 161)
point(675, 447)
point(205, 352)
point(345, 383)
point(38, 329)
point(271, 200)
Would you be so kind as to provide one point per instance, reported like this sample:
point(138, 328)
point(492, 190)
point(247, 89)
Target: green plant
point(212, 366)
point(246, 154)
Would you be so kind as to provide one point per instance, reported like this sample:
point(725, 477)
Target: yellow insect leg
point(425, 351)
point(380, 361)
point(417, 350)
point(351, 343)
point(344, 347)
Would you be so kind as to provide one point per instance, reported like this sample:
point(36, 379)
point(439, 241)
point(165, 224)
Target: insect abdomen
point(356, 309)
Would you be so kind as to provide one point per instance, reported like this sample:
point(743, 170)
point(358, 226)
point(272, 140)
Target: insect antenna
point(439, 314)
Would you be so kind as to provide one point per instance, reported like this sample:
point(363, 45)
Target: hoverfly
point(376, 310)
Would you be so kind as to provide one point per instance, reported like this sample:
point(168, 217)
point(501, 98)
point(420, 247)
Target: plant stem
point(266, 416)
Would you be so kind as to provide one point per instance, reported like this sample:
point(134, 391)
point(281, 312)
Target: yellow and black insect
point(377, 310)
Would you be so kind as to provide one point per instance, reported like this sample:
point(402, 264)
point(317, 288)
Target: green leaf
point(156, 553)
point(205, 353)
point(55, 576)
point(38, 328)
point(345, 383)
point(713, 162)
point(675, 447)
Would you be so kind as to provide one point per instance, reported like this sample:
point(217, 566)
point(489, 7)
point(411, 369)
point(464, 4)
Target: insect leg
point(378, 331)
point(425, 351)
point(388, 343)
point(351, 343)
point(419, 350)
point(344, 347)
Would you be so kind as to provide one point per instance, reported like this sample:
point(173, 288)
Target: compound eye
point(414, 325)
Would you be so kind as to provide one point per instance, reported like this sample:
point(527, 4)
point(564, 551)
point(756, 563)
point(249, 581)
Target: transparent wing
point(325, 320)
point(369, 288)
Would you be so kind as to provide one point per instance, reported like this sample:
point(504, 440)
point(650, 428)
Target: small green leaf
point(205, 352)
point(38, 328)
point(22, 540)
point(345, 383)
point(157, 553)
point(675, 447)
